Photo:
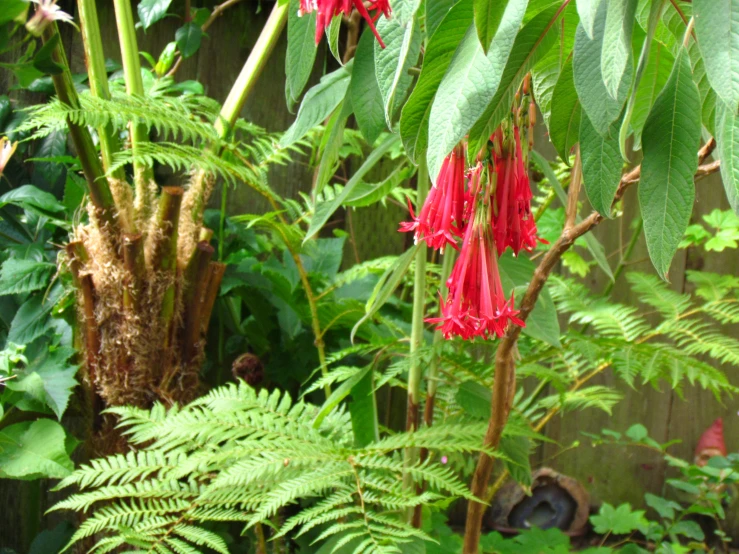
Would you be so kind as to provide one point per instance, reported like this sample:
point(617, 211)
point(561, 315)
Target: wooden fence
point(612, 474)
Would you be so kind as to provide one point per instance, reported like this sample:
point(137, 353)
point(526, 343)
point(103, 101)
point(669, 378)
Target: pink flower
point(476, 305)
point(327, 9)
point(442, 218)
point(512, 219)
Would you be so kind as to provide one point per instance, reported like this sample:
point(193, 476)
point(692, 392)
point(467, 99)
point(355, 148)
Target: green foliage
point(202, 463)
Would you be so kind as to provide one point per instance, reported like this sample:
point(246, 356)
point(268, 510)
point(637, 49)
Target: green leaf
point(11, 9)
point(34, 449)
point(564, 122)
point(531, 45)
point(188, 38)
point(601, 165)
point(474, 399)
point(656, 72)
point(151, 11)
point(339, 393)
point(301, 51)
point(488, 14)
point(516, 452)
point(21, 275)
point(615, 58)
point(670, 141)
point(332, 38)
point(32, 198)
point(594, 246)
point(365, 92)
point(587, 10)
point(44, 60)
point(49, 378)
point(717, 30)
point(386, 286)
point(654, 18)
point(542, 323)
point(402, 36)
point(435, 13)
point(318, 104)
point(331, 142)
point(595, 98)
point(414, 118)
point(32, 318)
point(366, 194)
point(690, 529)
point(619, 521)
point(363, 410)
point(665, 508)
point(469, 85)
point(325, 210)
point(727, 140)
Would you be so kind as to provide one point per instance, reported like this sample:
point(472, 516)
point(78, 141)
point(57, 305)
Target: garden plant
point(188, 378)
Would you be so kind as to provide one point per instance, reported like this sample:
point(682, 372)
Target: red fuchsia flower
point(327, 9)
point(476, 305)
point(441, 220)
point(512, 218)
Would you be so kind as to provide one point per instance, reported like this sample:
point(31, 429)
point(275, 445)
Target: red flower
point(476, 305)
point(441, 220)
point(327, 9)
point(512, 219)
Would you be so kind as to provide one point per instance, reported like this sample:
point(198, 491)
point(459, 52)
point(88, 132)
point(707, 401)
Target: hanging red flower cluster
point(488, 205)
point(327, 9)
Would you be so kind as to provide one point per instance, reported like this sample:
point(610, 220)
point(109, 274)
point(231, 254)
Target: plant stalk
point(215, 275)
point(98, 78)
point(143, 174)
point(98, 187)
point(412, 419)
point(196, 277)
point(133, 261)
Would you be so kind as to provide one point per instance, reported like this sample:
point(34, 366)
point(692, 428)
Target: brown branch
point(504, 384)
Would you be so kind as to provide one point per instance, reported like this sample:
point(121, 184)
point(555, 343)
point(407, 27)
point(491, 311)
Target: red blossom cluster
point(488, 205)
point(327, 9)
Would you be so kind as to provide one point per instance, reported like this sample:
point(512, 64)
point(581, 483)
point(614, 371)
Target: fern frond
point(655, 292)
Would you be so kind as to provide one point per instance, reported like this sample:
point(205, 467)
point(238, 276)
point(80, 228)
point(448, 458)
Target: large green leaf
point(717, 29)
point(531, 45)
point(435, 13)
point(402, 36)
point(301, 51)
point(601, 165)
point(21, 275)
point(468, 86)
point(615, 58)
point(414, 119)
point(587, 10)
point(48, 378)
point(564, 122)
point(727, 138)
point(670, 141)
point(488, 14)
point(654, 19)
point(33, 317)
point(596, 101)
point(188, 38)
point(331, 142)
point(12, 9)
point(34, 449)
point(324, 210)
point(151, 11)
point(542, 323)
point(363, 409)
point(656, 72)
point(318, 104)
point(365, 92)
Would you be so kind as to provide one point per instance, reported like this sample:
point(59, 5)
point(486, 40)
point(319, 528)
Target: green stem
point(198, 191)
point(143, 174)
point(98, 77)
point(99, 190)
point(417, 329)
point(252, 68)
point(625, 258)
